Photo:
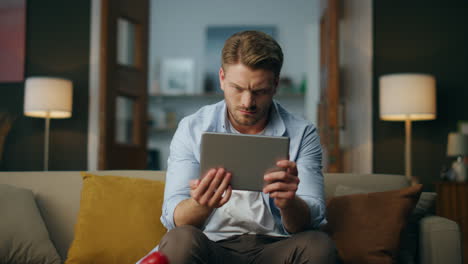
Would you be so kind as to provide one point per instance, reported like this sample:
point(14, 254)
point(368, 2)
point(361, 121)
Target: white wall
point(356, 69)
point(178, 29)
point(312, 57)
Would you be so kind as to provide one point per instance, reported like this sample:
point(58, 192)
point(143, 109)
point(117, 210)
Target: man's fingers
point(283, 195)
point(280, 176)
point(194, 184)
point(226, 196)
point(289, 165)
point(206, 197)
point(280, 187)
point(293, 170)
point(203, 185)
point(220, 190)
point(286, 164)
point(224, 185)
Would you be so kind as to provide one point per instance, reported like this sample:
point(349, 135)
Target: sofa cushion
point(366, 227)
point(24, 238)
point(118, 221)
point(409, 240)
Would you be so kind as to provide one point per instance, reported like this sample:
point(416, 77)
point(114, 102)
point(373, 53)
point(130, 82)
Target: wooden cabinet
point(452, 203)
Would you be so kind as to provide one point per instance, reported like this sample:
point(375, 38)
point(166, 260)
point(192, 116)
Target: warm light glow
point(457, 144)
point(407, 96)
point(48, 96)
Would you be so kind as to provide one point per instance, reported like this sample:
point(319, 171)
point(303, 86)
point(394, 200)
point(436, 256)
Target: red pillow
point(366, 227)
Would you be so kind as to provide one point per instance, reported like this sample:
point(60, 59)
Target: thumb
point(194, 183)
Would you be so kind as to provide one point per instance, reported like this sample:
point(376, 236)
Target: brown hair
point(254, 49)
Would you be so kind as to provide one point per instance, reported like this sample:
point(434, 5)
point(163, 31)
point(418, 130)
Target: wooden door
point(123, 84)
point(328, 108)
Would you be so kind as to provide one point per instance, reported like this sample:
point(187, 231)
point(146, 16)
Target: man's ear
point(275, 85)
point(221, 78)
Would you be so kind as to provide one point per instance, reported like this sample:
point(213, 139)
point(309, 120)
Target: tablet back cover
point(247, 157)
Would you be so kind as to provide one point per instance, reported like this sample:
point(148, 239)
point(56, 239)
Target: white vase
point(459, 168)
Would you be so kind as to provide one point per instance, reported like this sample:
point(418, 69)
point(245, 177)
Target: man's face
point(248, 94)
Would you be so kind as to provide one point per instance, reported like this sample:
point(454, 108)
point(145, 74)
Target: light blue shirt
point(304, 149)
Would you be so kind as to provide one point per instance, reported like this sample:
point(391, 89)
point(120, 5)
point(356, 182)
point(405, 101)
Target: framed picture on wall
point(177, 76)
point(12, 40)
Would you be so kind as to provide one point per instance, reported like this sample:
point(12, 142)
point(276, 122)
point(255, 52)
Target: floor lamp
point(407, 97)
point(46, 97)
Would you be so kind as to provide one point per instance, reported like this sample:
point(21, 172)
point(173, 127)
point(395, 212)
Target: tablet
point(247, 157)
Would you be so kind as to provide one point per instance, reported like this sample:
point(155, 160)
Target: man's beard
point(246, 120)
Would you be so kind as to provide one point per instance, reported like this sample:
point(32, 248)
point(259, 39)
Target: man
point(211, 223)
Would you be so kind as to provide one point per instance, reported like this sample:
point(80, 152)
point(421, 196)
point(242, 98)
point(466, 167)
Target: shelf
point(161, 129)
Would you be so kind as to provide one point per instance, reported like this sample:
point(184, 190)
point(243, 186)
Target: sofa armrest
point(439, 240)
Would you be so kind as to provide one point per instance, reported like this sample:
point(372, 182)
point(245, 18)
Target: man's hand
point(208, 193)
point(282, 185)
point(213, 190)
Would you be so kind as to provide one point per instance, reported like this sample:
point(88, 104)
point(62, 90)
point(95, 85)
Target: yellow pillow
point(118, 221)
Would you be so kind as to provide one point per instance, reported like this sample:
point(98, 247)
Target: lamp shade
point(407, 96)
point(45, 96)
point(457, 144)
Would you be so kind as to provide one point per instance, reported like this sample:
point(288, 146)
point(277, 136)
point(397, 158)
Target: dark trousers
point(187, 244)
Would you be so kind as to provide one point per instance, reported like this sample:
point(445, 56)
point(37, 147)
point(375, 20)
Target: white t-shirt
point(246, 212)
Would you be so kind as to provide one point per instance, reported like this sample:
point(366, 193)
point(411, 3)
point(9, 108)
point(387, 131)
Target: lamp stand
point(408, 168)
point(46, 142)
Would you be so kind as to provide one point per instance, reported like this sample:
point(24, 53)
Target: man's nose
point(248, 99)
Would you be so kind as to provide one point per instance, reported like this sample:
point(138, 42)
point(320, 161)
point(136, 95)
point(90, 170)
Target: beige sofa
point(58, 196)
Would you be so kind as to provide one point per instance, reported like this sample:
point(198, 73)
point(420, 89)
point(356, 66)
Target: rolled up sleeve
point(311, 186)
point(182, 167)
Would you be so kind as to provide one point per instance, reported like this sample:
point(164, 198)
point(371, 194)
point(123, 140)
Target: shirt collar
point(275, 126)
